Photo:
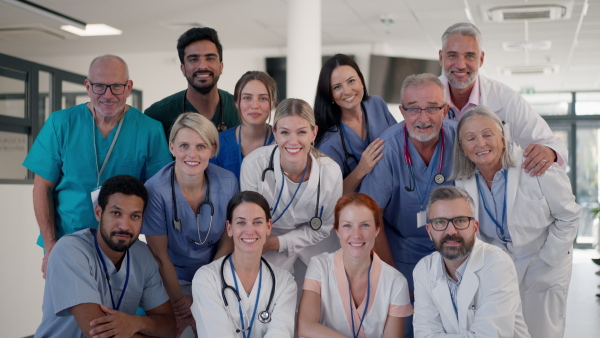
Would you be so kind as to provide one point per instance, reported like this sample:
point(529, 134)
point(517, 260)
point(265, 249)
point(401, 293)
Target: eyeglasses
point(429, 110)
point(460, 223)
point(100, 88)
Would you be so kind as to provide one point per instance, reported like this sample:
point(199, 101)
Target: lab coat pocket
point(530, 212)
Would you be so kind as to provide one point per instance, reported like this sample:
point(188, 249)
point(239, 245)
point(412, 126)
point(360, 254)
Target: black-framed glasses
point(115, 88)
point(441, 223)
point(429, 110)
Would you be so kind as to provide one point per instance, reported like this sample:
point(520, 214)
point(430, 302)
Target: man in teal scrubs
point(81, 147)
point(201, 56)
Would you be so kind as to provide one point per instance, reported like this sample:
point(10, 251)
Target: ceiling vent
point(519, 46)
point(530, 11)
point(530, 70)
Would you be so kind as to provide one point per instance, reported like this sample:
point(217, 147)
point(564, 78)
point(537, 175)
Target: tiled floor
point(583, 307)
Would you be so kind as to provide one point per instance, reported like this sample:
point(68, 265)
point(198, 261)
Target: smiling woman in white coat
point(300, 184)
point(352, 292)
point(533, 219)
point(241, 295)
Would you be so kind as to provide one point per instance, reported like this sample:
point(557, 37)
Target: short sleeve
point(71, 270)
point(155, 222)
point(400, 305)
point(314, 274)
point(154, 291)
point(44, 157)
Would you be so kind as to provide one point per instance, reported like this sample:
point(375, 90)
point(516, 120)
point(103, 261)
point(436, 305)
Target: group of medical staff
point(230, 259)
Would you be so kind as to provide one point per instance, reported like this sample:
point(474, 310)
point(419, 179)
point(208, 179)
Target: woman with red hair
point(352, 292)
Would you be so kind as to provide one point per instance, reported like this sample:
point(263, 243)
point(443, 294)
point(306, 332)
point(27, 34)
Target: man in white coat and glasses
point(467, 288)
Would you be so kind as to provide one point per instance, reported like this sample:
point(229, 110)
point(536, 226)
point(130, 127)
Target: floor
point(583, 307)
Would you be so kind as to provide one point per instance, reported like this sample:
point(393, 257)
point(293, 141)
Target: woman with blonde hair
point(299, 183)
point(184, 222)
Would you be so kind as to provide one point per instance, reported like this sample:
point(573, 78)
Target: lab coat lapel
point(441, 294)
point(469, 284)
point(470, 185)
point(486, 98)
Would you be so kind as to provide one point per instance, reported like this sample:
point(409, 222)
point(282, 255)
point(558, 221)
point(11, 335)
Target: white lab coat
point(296, 237)
point(488, 301)
point(522, 124)
point(209, 309)
point(543, 218)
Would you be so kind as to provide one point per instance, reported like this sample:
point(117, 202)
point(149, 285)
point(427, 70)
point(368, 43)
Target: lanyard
point(293, 196)
point(354, 332)
point(239, 140)
point(255, 303)
point(498, 225)
point(408, 161)
point(112, 145)
point(108, 277)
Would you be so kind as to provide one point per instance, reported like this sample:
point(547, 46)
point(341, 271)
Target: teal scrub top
point(168, 109)
point(63, 152)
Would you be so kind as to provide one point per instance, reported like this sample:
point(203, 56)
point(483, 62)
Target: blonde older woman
point(184, 222)
point(534, 219)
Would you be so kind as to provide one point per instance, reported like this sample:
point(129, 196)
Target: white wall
point(157, 75)
point(22, 285)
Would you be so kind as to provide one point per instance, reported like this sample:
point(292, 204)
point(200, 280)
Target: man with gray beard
point(417, 157)
point(461, 57)
point(467, 288)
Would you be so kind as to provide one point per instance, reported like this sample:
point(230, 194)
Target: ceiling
point(155, 25)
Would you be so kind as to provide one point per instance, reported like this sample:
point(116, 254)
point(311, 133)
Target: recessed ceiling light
point(96, 29)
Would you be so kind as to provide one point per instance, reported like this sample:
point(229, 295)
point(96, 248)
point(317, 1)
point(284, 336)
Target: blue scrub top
point(380, 119)
point(188, 257)
point(386, 185)
point(63, 152)
point(230, 155)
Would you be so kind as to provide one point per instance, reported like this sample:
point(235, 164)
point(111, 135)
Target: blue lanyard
point(354, 332)
point(498, 225)
point(239, 141)
point(255, 303)
point(108, 278)
point(293, 196)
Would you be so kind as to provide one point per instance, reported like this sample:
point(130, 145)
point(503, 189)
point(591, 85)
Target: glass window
point(45, 93)
point(587, 103)
point(13, 149)
point(12, 97)
point(73, 94)
point(587, 178)
point(550, 103)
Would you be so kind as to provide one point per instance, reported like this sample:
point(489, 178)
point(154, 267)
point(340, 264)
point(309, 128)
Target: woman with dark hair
point(241, 295)
point(350, 121)
point(255, 96)
point(298, 182)
point(352, 292)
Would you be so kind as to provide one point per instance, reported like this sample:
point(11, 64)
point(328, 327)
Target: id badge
point(94, 195)
point(421, 219)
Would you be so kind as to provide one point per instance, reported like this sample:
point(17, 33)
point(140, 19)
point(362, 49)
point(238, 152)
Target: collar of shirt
point(474, 99)
point(460, 271)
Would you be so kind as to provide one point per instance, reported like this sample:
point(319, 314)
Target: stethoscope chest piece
point(315, 223)
point(264, 317)
point(222, 127)
point(439, 178)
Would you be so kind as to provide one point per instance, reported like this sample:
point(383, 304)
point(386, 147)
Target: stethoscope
point(222, 126)
point(351, 154)
point(206, 201)
point(263, 316)
point(439, 178)
point(316, 221)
